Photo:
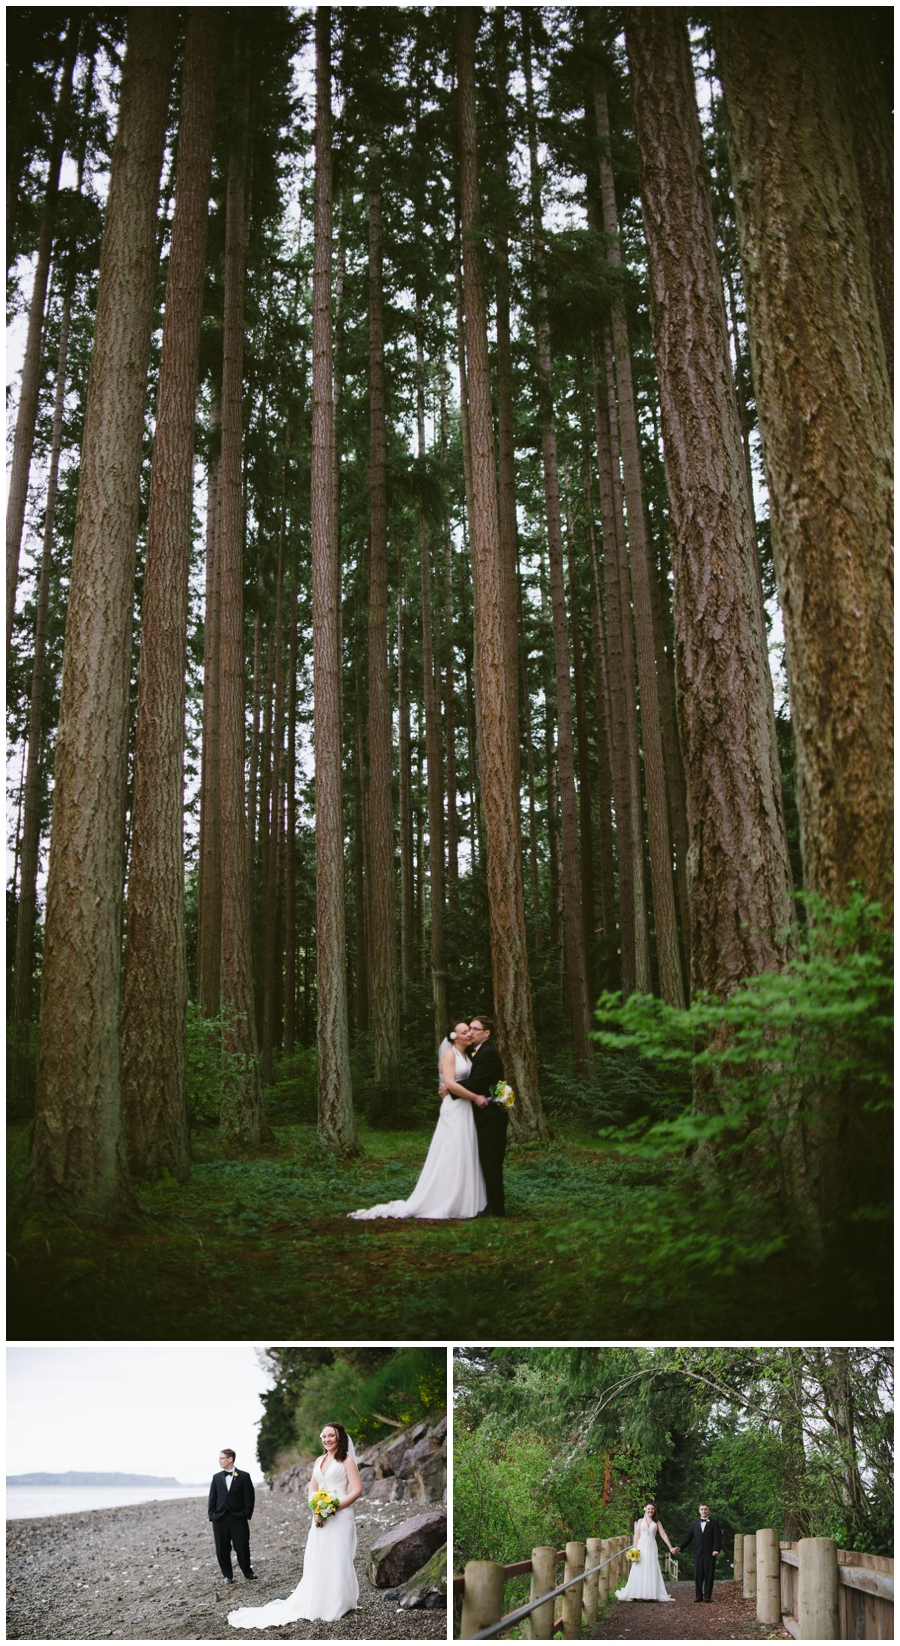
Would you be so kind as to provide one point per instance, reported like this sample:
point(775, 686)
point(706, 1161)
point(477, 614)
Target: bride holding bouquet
point(645, 1580)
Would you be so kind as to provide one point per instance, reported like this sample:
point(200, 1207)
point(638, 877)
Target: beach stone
point(399, 1553)
point(392, 1458)
point(426, 1590)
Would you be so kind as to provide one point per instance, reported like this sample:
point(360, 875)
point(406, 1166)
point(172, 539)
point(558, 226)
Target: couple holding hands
point(645, 1580)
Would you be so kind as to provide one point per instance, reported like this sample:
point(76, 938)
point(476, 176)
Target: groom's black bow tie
point(229, 1473)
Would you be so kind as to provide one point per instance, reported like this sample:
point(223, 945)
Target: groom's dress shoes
point(227, 1579)
point(250, 1576)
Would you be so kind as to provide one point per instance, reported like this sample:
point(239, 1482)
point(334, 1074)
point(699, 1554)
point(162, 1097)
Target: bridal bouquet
point(634, 1554)
point(504, 1094)
point(324, 1504)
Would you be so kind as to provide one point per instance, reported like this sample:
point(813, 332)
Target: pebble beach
point(148, 1572)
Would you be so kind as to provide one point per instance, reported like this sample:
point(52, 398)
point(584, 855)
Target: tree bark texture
point(626, 768)
point(585, 818)
point(404, 773)
point(433, 758)
point(449, 687)
point(740, 884)
point(497, 732)
point(607, 874)
point(77, 1151)
point(668, 956)
point(154, 990)
point(290, 846)
point(26, 416)
point(270, 911)
point(209, 889)
point(242, 1118)
point(826, 419)
point(336, 1128)
point(31, 819)
point(871, 123)
point(383, 958)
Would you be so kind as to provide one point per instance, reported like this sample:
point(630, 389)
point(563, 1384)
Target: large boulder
point(387, 1490)
point(430, 1479)
point(400, 1553)
point(426, 1590)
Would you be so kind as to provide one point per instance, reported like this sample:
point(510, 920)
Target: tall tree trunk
point(407, 848)
point(209, 890)
point(740, 888)
point(607, 875)
point(570, 865)
point(871, 123)
point(290, 846)
point(242, 1117)
point(585, 820)
point(434, 764)
point(825, 416)
point(676, 783)
point(626, 770)
point(31, 812)
point(449, 687)
point(382, 895)
point(336, 1128)
point(26, 416)
point(270, 933)
point(497, 732)
point(361, 880)
point(256, 692)
point(506, 461)
point(154, 989)
point(668, 956)
point(78, 1161)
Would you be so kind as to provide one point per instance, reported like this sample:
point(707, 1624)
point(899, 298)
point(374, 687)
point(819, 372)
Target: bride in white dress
point(329, 1586)
point(645, 1580)
point(450, 1183)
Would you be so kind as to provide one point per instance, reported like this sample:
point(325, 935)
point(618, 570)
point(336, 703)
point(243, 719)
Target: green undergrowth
point(261, 1246)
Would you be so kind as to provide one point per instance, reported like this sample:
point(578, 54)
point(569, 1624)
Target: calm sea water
point(32, 1502)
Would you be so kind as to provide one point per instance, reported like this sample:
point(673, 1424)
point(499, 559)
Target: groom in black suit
point(231, 1503)
point(491, 1119)
point(707, 1539)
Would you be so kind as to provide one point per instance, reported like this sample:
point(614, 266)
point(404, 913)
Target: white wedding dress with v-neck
point(645, 1579)
point(450, 1182)
point(329, 1586)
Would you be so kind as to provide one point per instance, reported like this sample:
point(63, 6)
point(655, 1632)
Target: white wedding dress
point(329, 1586)
point(450, 1183)
point(645, 1580)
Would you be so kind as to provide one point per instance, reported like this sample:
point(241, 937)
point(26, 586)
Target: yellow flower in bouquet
point(324, 1504)
point(634, 1554)
point(504, 1094)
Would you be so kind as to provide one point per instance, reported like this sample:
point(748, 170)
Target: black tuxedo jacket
point(487, 1069)
point(705, 1540)
point(238, 1499)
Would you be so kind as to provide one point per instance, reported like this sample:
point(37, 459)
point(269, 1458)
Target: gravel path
point(727, 1617)
point(149, 1572)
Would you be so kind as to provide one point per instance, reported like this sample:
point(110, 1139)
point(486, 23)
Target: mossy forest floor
point(261, 1246)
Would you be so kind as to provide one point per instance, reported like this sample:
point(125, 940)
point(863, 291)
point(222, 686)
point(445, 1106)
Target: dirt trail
point(728, 1616)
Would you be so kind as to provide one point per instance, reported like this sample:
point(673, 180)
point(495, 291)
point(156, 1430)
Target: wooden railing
point(592, 1572)
point(815, 1590)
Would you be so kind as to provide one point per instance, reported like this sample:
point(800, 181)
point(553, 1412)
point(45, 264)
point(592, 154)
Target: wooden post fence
point(592, 1573)
point(815, 1590)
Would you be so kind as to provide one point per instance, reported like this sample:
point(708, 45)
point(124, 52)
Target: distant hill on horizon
point(80, 1477)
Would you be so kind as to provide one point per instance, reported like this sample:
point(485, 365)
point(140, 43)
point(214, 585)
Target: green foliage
point(209, 1070)
point(806, 1052)
point(410, 1385)
point(543, 1436)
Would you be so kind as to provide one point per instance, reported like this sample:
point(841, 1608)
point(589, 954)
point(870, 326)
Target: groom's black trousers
point(232, 1530)
point(704, 1576)
point(490, 1127)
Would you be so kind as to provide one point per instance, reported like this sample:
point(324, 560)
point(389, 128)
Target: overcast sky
point(142, 1408)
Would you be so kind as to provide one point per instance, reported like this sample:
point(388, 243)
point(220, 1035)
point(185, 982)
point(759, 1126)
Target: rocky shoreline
point(148, 1572)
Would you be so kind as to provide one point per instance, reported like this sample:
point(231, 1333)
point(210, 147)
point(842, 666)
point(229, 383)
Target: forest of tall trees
point(448, 565)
